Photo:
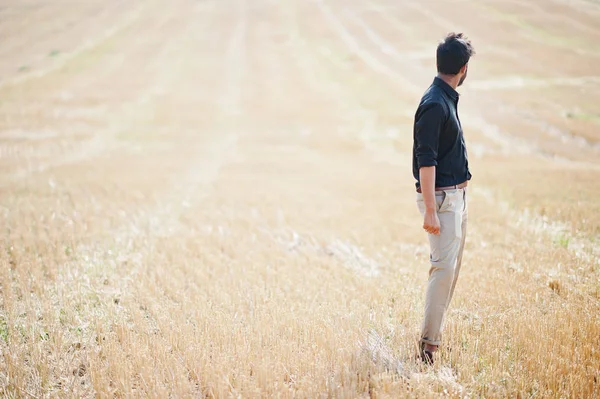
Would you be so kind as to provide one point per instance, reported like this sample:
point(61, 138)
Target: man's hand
point(431, 222)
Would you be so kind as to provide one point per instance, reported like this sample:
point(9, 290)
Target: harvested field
point(215, 199)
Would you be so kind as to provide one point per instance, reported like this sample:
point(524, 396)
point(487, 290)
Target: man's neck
point(452, 80)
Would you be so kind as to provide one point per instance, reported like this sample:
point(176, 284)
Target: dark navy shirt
point(438, 136)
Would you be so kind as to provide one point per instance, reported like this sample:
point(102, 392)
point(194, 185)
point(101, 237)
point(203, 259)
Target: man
point(441, 168)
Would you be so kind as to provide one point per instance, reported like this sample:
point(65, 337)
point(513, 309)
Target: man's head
point(453, 56)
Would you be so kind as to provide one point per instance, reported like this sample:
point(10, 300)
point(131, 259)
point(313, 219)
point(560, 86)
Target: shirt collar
point(446, 87)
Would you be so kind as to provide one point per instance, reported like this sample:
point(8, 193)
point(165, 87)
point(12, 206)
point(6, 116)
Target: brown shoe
point(427, 353)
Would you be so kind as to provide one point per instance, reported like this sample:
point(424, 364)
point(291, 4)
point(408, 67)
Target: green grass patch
point(583, 116)
point(562, 241)
point(3, 329)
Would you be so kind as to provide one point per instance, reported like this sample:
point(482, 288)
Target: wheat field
point(215, 199)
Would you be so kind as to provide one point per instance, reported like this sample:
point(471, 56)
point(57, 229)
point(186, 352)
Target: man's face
point(462, 78)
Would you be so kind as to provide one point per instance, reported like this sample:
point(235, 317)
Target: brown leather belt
point(455, 187)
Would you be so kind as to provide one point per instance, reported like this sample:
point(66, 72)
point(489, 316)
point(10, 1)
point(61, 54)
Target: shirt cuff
point(426, 161)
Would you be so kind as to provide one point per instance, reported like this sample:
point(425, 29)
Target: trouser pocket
point(452, 209)
point(440, 199)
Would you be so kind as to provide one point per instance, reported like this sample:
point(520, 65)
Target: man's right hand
point(431, 222)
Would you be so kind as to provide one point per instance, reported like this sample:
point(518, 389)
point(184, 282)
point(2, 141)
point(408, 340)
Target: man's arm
point(431, 222)
point(427, 135)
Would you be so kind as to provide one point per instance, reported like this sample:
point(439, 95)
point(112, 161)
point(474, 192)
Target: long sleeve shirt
point(438, 136)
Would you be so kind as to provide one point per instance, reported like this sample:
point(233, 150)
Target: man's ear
point(464, 68)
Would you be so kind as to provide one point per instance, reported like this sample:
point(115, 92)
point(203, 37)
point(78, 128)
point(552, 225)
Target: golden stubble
point(215, 200)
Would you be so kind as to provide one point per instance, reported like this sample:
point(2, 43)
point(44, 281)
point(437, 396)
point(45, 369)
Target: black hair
point(453, 53)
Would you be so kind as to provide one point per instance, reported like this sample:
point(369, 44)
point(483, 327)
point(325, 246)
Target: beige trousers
point(446, 251)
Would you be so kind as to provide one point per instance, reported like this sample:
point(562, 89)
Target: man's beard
point(462, 79)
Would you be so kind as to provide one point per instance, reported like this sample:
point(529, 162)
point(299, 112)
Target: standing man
point(441, 168)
